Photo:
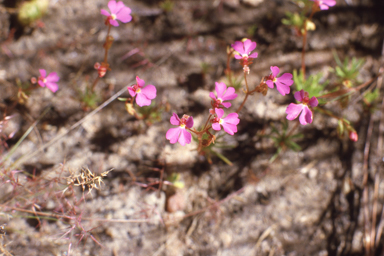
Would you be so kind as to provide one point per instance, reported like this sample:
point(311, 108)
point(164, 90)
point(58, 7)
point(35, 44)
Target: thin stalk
point(246, 93)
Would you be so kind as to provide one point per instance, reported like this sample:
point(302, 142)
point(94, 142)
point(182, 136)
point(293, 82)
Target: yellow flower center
point(113, 16)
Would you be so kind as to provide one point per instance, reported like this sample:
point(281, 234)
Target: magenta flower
point(180, 133)
point(49, 81)
point(324, 4)
point(293, 110)
point(118, 12)
point(282, 83)
point(229, 123)
point(222, 94)
point(244, 49)
point(143, 95)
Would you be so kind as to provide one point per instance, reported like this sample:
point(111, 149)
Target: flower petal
point(293, 110)
point(175, 120)
point(52, 86)
point(149, 91)
point(232, 118)
point(219, 112)
point(113, 22)
point(238, 57)
point(43, 73)
point(286, 78)
point(249, 46)
point(306, 116)
point(124, 15)
point(185, 137)
point(299, 95)
point(173, 135)
point(112, 6)
point(41, 83)
point(269, 83)
point(53, 77)
point(216, 126)
point(226, 104)
point(105, 12)
point(140, 82)
point(229, 94)
point(229, 128)
point(253, 55)
point(220, 89)
point(142, 100)
point(313, 102)
point(189, 122)
point(131, 91)
point(275, 70)
point(282, 88)
point(239, 47)
point(212, 95)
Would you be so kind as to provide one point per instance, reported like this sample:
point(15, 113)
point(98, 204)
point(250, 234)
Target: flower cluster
point(118, 12)
point(324, 4)
point(143, 95)
point(49, 81)
point(293, 110)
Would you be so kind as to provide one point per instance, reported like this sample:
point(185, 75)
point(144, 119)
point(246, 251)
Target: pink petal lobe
point(313, 102)
point(286, 78)
point(282, 88)
point(124, 15)
point(226, 104)
point(142, 100)
point(112, 6)
point(175, 120)
point(238, 57)
point(53, 77)
point(219, 112)
point(105, 12)
point(114, 23)
point(216, 126)
point(275, 70)
point(299, 95)
point(229, 94)
point(239, 47)
point(43, 73)
point(189, 122)
point(41, 83)
point(269, 83)
point(131, 91)
point(253, 55)
point(52, 86)
point(293, 110)
point(212, 95)
point(220, 89)
point(229, 128)
point(185, 137)
point(306, 116)
point(149, 91)
point(249, 46)
point(232, 118)
point(140, 82)
point(173, 135)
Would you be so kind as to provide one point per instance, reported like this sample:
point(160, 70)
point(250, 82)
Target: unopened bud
point(353, 136)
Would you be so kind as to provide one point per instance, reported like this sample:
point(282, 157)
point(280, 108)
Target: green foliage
point(235, 82)
point(283, 140)
point(297, 21)
point(167, 5)
point(347, 71)
point(151, 113)
point(311, 85)
point(251, 30)
point(370, 97)
point(32, 11)
point(89, 99)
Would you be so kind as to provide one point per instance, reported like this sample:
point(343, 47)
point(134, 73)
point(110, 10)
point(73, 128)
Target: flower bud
point(353, 136)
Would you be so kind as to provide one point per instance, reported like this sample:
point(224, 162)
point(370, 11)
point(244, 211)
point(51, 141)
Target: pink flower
point(324, 4)
point(180, 133)
point(143, 95)
point(282, 83)
point(118, 12)
point(293, 110)
point(49, 81)
point(229, 123)
point(222, 94)
point(244, 49)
